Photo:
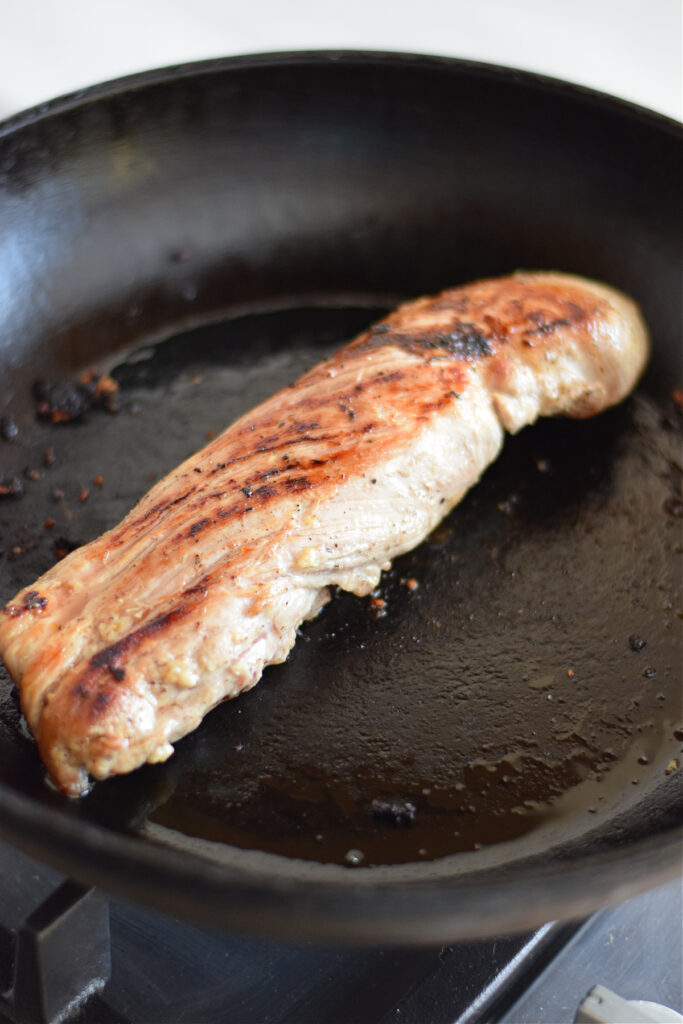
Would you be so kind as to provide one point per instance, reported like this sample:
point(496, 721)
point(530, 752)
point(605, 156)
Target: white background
point(631, 48)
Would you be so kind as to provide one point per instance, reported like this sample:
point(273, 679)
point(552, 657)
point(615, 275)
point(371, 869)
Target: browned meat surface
point(122, 647)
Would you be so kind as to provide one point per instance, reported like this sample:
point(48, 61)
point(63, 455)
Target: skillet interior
point(320, 190)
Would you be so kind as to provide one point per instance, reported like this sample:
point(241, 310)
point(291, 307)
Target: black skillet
point(502, 746)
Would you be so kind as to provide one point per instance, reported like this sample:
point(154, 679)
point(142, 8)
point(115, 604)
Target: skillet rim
point(174, 72)
point(349, 907)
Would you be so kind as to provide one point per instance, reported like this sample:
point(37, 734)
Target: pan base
point(505, 696)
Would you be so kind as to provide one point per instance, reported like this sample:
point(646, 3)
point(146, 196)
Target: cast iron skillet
point(524, 698)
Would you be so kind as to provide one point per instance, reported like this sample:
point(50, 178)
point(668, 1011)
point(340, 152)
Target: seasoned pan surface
point(516, 703)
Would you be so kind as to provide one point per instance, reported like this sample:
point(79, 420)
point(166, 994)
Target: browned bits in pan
point(11, 488)
point(83, 496)
point(103, 389)
point(60, 402)
point(50, 523)
point(49, 457)
point(31, 474)
point(64, 401)
point(99, 480)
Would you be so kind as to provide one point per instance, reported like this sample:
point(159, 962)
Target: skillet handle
point(62, 956)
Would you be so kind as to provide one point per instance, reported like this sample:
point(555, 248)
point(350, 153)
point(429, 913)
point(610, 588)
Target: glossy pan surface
point(207, 233)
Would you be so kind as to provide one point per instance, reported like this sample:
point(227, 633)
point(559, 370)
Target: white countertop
point(630, 48)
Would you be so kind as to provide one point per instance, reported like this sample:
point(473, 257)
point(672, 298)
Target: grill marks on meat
point(124, 646)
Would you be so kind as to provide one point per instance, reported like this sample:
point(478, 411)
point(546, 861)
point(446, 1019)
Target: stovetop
point(95, 960)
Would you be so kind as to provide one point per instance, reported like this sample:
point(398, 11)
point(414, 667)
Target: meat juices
point(123, 647)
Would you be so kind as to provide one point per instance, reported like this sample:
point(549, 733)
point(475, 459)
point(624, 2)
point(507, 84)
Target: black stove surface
point(166, 970)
